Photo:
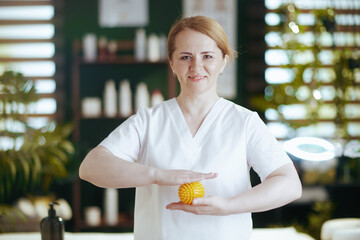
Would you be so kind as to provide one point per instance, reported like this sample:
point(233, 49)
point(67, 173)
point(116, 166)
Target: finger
point(179, 206)
point(201, 176)
point(211, 175)
point(174, 205)
point(202, 201)
point(206, 175)
point(194, 209)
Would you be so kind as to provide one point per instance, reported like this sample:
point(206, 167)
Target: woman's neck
point(196, 105)
point(195, 110)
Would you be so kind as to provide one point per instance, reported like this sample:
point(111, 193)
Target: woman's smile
point(196, 78)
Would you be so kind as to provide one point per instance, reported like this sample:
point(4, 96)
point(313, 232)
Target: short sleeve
point(126, 140)
point(264, 152)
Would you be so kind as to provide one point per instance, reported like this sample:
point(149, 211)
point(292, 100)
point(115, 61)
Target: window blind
point(27, 46)
point(313, 68)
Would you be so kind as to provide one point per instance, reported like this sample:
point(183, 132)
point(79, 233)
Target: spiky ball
point(188, 191)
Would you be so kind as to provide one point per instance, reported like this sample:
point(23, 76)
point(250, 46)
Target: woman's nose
point(196, 63)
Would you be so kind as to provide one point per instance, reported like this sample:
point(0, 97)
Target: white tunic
point(229, 142)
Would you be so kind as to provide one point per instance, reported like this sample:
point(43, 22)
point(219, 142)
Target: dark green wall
point(81, 17)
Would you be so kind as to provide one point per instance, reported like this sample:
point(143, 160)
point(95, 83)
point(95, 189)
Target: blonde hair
point(204, 25)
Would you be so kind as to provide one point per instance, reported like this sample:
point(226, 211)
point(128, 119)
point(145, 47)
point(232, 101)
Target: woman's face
point(197, 62)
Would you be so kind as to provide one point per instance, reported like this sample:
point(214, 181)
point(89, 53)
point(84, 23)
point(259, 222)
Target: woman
point(196, 136)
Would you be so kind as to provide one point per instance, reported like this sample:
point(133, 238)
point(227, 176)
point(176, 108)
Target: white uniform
point(229, 142)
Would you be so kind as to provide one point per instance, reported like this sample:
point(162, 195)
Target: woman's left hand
point(213, 205)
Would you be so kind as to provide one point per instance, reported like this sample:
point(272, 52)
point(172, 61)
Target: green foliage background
point(38, 156)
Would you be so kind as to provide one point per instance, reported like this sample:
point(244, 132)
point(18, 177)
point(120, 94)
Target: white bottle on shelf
point(91, 107)
point(89, 44)
point(140, 45)
point(110, 109)
point(153, 48)
point(142, 96)
point(156, 97)
point(162, 43)
point(111, 206)
point(125, 98)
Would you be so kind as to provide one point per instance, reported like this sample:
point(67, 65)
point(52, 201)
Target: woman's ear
point(225, 61)
point(171, 66)
point(170, 63)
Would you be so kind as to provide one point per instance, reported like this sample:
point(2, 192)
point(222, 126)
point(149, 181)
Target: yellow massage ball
point(188, 191)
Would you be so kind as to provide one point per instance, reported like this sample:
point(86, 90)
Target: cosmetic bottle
point(156, 97)
point(153, 48)
point(102, 49)
point(125, 99)
point(163, 50)
point(52, 226)
point(110, 109)
point(112, 49)
point(89, 47)
point(140, 45)
point(111, 201)
point(142, 96)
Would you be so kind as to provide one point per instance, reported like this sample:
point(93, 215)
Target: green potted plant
point(30, 158)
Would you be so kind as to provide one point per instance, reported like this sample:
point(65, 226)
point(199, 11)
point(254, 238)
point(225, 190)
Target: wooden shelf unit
point(125, 220)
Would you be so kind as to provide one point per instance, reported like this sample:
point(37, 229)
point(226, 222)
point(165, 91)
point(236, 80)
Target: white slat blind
point(27, 46)
point(317, 91)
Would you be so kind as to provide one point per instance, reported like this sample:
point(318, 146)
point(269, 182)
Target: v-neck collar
point(184, 129)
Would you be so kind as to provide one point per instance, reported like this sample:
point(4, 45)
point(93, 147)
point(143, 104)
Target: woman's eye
point(185, 57)
point(208, 56)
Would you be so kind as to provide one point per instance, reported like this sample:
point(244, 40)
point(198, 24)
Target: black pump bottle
point(52, 227)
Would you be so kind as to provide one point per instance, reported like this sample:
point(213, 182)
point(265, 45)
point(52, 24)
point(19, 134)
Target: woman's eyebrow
point(187, 53)
point(204, 52)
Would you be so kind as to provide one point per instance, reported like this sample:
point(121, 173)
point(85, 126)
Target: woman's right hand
point(103, 169)
point(177, 177)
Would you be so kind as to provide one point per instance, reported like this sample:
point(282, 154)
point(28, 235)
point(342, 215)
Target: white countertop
point(258, 234)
